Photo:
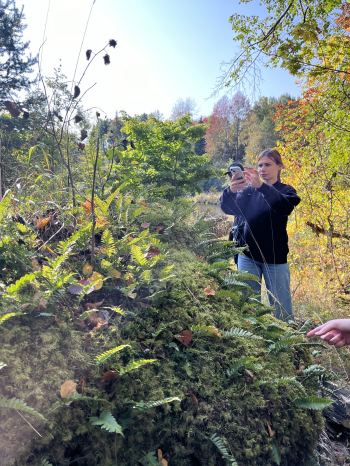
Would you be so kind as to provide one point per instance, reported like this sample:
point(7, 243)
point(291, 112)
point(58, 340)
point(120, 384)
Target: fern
point(44, 462)
point(108, 243)
point(141, 406)
point(138, 256)
point(135, 365)
point(283, 381)
point(150, 459)
point(104, 356)
point(19, 405)
point(106, 421)
point(218, 442)
point(312, 402)
point(314, 371)
point(7, 316)
point(205, 331)
point(22, 282)
point(285, 343)
point(246, 362)
point(275, 452)
point(238, 332)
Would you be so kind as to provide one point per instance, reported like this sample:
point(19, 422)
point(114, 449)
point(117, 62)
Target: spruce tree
point(15, 62)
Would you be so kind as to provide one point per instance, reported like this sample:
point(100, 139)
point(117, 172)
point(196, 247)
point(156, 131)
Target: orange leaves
point(41, 223)
point(87, 205)
point(209, 292)
point(68, 389)
point(101, 221)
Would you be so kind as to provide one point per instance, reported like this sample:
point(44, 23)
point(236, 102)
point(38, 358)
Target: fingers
point(321, 330)
point(340, 344)
point(332, 337)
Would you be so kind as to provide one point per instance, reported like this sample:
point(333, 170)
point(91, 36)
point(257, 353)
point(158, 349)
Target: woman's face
point(268, 169)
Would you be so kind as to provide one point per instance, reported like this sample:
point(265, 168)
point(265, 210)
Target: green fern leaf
point(135, 365)
point(285, 343)
point(142, 406)
point(312, 402)
point(246, 362)
point(106, 421)
point(205, 331)
point(22, 282)
point(275, 452)
point(137, 255)
point(7, 316)
point(19, 405)
point(108, 243)
point(44, 462)
point(238, 332)
point(150, 459)
point(218, 442)
point(102, 357)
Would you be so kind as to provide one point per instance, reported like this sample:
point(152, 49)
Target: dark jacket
point(265, 212)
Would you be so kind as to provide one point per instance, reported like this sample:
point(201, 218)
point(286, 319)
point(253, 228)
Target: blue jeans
point(277, 280)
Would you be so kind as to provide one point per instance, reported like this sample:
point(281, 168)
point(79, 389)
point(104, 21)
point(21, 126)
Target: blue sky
point(166, 50)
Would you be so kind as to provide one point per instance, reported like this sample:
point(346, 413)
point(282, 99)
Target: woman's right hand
point(237, 185)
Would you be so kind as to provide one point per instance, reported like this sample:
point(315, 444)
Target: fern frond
point(305, 326)
point(19, 405)
point(107, 421)
point(102, 357)
point(150, 459)
point(238, 332)
point(44, 462)
point(108, 243)
point(29, 277)
point(135, 365)
point(285, 343)
point(205, 331)
point(142, 406)
point(283, 381)
point(218, 442)
point(314, 371)
point(138, 256)
point(7, 316)
point(138, 211)
point(313, 402)
point(246, 362)
point(275, 452)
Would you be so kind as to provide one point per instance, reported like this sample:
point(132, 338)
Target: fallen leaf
point(160, 230)
point(132, 295)
point(36, 297)
point(68, 388)
point(143, 203)
point(152, 253)
point(92, 319)
point(160, 354)
point(87, 269)
point(115, 273)
point(87, 206)
point(271, 432)
point(185, 337)
point(194, 398)
point(161, 459)
point(99, 325)
point(96, 280)
point(78, 289)
point(249, 373)
point(35, 264)
point(134, 162)
point(93, 305)
point(145, 225)
point(144, 347)
point(41, 223)
point(109, 375)
point(212, 284)
point(37, 339)
point(101, 221)
point(58, 321)
point(209, 292)
point(144, 305)
point(25, 306)
point(129, 281)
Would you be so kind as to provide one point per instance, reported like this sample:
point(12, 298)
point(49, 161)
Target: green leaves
point(107, 421)
point(135, 365)
point(141, 406)
point(246, 362)
point(312, 402)
point(219, 443)
point(104, 356)
point(20, 405)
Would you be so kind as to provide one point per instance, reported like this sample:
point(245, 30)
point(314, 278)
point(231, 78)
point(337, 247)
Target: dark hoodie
point(265, 214)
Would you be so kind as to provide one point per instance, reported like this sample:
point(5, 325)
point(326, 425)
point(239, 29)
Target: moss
point(40, 356)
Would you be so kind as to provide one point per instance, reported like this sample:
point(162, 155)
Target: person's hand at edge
point(237, 185)
point(252, 175)
point(335, 332)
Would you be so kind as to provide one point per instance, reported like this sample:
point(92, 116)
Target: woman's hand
point(252, 175)
point(237, 185)
point(335, 332)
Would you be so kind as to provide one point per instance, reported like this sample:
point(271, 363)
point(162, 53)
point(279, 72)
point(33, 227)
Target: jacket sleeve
point(235, 203)
point(281, 203)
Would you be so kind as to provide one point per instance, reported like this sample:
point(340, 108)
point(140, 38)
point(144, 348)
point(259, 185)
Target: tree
point(183, 107)
point(223, 137)
point(164, 155)
point(14, 64)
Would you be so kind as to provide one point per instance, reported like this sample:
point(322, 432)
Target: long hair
point(274, 155)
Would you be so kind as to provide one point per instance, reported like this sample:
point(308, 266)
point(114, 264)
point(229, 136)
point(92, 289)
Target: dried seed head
point(88, 54)
point(78, 118)
point(76, 92)
point(106, 59)
point(83, 134)
point(25, 115)
point(132, 144)
point(12, 108)
point(112, 43)
point(81, 146)
point(98, 114)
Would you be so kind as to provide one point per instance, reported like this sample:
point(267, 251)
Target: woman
point(265, 207)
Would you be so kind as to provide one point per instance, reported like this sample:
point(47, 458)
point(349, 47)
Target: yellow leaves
point(68, 389)
point(35, 264)
point(134, 162)
point(87, 270)
point(96, 280)
point(115, 273)
point(101, 221)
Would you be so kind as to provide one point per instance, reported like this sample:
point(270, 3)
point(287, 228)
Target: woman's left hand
point(252, 175)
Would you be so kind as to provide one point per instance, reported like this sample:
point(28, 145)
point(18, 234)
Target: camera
point(236, 168)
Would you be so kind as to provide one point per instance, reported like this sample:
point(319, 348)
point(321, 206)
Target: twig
point(28, 422)
point(92, 205)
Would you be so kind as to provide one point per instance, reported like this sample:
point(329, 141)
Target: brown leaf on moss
point(160, 354)
point(271, 432)
point(212, 284)
point(110, 375)
point(161, 230)
point(161, 459)
point(209, 292)
point(143, 203)
point(58, 321)
point(249, 373)
point(145, 225)
point(68, 388)
point(194, 398)
point(185, 337)
point(152, 253)
point(83, 384)
point(93, 305)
